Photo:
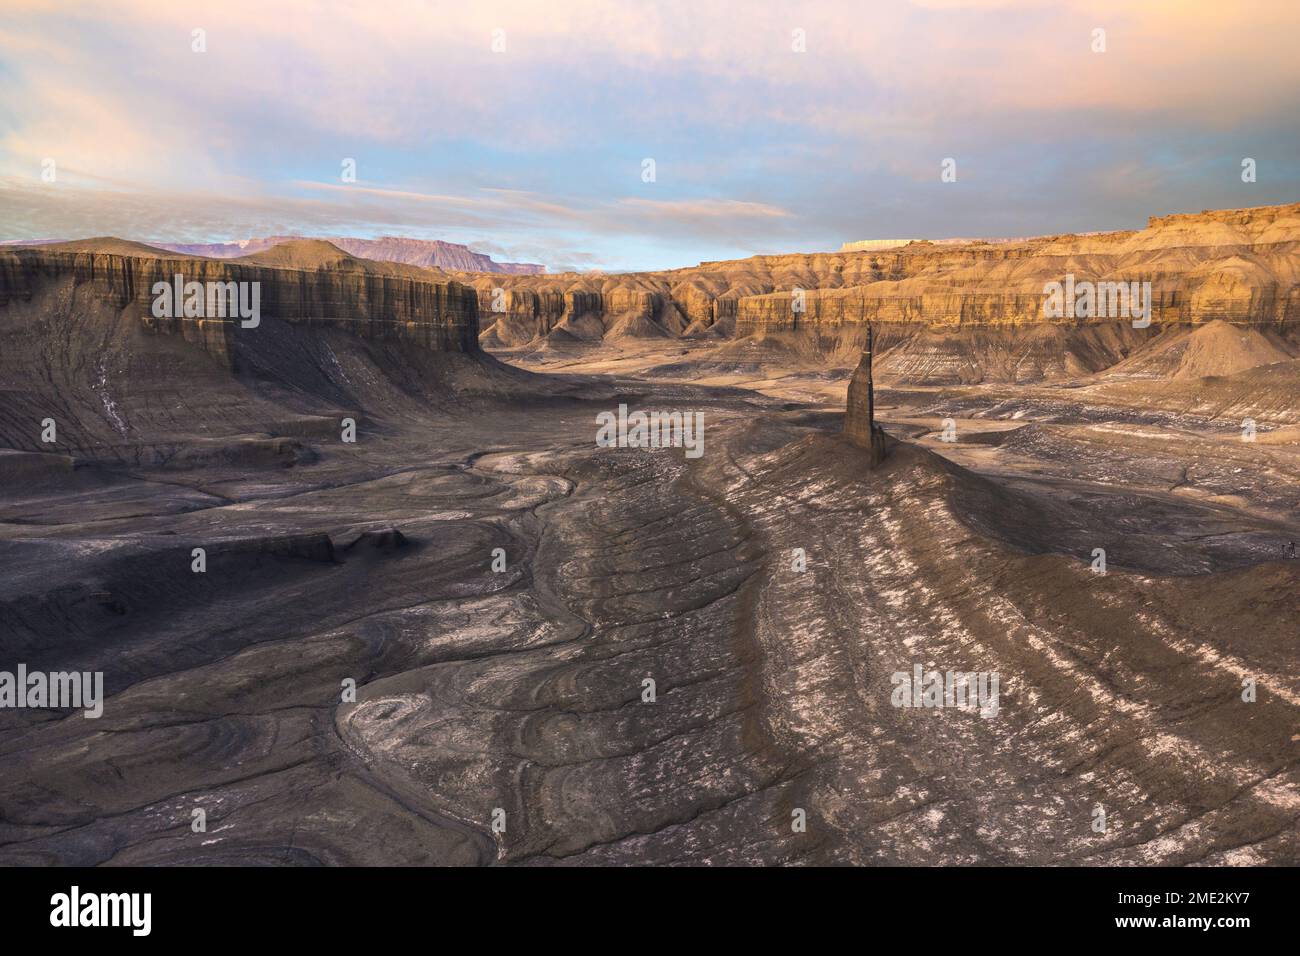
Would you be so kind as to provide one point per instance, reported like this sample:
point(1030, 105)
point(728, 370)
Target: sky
point(527, 129)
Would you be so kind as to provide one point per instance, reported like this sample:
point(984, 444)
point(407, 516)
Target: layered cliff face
point(589, 310)
point(1238, 266)
point(1255, 285)
point(519, 316)
point(333, 337)
point(311, 282)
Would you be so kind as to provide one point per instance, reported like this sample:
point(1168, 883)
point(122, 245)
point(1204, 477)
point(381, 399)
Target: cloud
point(757, 146)
point(697, 210)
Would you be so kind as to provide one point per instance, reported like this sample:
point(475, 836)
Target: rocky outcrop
point(1217, 293)
point(860, 413)
point(1237, 266)
point(333, 290)
point(516, 316)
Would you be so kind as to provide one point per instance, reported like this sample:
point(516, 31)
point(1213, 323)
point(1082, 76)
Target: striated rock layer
point(1240, 266)
point(336, 338)
point(311, 282)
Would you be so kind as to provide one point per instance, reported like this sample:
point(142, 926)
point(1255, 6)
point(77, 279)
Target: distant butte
point(425, 253)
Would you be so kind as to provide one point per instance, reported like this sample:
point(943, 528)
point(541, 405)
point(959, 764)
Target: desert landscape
point(856, 442)
point(437, 621)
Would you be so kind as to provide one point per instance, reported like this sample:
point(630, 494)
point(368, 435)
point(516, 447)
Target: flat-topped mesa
point(312, 284)
point(860, 414)
point(1232, 265)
